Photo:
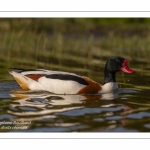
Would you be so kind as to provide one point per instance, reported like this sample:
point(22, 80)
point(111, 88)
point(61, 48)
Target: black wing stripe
point(67, 77)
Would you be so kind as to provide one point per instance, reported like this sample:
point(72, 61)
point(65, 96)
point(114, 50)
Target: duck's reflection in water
point(38, 106)
point(45, 103)
point(41, 100)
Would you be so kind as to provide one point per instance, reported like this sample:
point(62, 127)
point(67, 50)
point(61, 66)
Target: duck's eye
point(118, 60)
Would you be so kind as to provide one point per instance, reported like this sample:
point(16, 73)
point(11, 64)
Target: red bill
point(126, 69)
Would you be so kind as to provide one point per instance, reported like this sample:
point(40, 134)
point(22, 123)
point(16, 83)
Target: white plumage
point(52, 85)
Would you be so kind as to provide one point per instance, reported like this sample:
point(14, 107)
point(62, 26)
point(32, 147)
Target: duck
point(59, 82)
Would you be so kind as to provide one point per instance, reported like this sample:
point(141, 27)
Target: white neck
point(109, 87)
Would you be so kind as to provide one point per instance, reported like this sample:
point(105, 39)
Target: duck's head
point(113, 65)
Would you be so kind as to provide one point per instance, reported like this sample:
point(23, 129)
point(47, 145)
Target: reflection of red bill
point(126, 69)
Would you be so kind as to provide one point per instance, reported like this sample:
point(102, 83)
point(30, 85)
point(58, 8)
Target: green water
point(124, 111)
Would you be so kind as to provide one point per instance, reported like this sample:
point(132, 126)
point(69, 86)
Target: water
point(127, 110)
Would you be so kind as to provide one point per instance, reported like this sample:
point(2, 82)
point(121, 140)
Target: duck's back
point(54, 81)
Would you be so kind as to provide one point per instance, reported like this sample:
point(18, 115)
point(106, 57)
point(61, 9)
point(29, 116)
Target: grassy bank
point(58, 43)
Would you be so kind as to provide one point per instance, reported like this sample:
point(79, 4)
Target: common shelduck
point(69, 83)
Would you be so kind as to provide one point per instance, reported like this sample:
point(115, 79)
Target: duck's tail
point(22, 80)
point(27, 82)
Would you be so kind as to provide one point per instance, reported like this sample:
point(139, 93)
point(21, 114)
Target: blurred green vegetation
point(73, 25)
point(60, 43)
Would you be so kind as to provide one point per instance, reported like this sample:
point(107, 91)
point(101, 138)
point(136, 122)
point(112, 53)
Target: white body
point(56, 86)
point(60, 86)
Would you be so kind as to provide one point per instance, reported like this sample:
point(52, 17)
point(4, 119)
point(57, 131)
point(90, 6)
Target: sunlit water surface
point(127, 110)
